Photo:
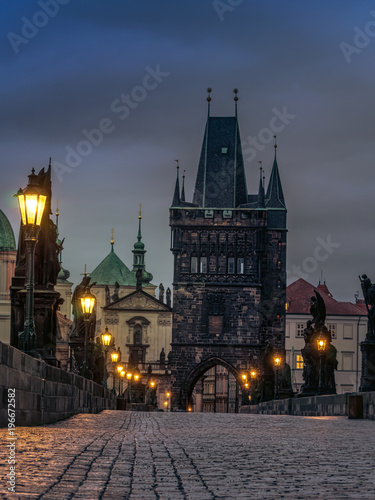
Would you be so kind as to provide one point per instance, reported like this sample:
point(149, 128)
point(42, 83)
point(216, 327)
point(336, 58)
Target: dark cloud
point(279, 54)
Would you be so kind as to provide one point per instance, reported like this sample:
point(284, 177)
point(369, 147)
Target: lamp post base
point(368, 364)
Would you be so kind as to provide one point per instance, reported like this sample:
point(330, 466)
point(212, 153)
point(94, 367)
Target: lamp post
point(277, 361)
point(129, 376)
point(119, 370)
point(321, 341)
point(106, 341)
point(168, 394)
point(115, 358)
point(32, 201)
point(121, 376)
point(87, 305)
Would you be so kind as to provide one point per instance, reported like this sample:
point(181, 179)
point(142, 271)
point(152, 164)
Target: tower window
point(230, 265)
point(194, 265)
point(224, 151)
point(137, 334)
point(203, 268)
point(240, 265)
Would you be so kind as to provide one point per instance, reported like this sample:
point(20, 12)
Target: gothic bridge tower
point(229, 249)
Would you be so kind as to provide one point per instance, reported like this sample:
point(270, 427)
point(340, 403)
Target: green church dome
point(112, 270)
point(7, 240)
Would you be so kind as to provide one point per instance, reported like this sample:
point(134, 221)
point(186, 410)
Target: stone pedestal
point(368, 364)
point(45, 319)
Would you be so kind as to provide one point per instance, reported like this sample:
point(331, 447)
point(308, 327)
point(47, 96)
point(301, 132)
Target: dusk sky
point(140, 70)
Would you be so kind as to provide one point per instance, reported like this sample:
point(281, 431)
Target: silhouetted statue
point(161, 292)
point(313, 360)
point(115, 295)
point(162, 356)
point(169, 293)
point(368, 290)
point(107, 295)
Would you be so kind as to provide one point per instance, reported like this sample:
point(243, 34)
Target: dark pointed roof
point(7, 241)
point(275, 196)
point(176, 195)
point(221, 180)
point(183, 188)
point(261, 202)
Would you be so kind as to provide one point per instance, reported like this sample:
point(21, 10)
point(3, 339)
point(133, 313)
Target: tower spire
point(261, 203)
point(183, 187)
point(176, 197)
point(139, 236)
point(209, 90)
point(275, 195)
point(235, 101)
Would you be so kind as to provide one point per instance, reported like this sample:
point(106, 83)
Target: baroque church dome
point(7, 240)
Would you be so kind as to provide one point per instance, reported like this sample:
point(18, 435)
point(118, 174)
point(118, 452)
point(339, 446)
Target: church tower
point(229, 251)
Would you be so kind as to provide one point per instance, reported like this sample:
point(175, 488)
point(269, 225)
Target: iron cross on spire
point(85, 273)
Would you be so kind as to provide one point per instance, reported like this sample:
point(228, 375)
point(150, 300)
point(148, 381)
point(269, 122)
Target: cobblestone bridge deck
point(141, 456)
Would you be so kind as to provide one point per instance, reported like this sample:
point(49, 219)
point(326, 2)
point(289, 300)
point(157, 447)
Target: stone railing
point(43, 393)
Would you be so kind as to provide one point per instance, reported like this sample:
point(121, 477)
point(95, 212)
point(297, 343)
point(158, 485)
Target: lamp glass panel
point(31, 208)
point(106, 339)
point(41, 205)
point(21, 201)
point(87, 304)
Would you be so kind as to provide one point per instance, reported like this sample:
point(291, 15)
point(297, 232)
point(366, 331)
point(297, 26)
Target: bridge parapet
point(43, 393)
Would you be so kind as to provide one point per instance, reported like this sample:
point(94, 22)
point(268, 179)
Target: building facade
point(229, 251)
point(8, 254)
point(140, 323)
point(347, 323)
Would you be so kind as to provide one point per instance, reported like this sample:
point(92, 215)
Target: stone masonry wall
point(330, 405)
point(45, 394)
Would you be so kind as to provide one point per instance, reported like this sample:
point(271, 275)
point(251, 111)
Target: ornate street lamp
point(277, 362)
point(106, 342)
point(168, 395)
point(322, 342)
point(115, 358)
point(32, 201)
point(129, 376)
point(87, 306)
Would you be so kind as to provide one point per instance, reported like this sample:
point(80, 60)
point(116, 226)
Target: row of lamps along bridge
point(32, 201)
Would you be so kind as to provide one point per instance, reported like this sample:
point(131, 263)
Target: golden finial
point(57, 207)
point(140, 211)
point(112, 234)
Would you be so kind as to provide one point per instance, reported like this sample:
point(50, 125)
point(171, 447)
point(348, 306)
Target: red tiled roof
point(298, 296)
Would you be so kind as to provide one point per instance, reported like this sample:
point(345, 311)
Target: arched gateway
point(229, 249)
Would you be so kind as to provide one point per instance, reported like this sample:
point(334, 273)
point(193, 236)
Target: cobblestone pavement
point(141, 456)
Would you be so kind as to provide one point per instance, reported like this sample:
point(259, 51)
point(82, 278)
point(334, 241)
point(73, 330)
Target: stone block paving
point(199, 456)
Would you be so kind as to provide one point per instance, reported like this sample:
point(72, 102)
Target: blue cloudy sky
point(68, 67)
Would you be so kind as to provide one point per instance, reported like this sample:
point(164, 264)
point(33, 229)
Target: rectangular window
point(332, 329)
point(240, 265)
point(194, 265)
point(348, 331)
point(230, 265)
point(287, 330)
point(347, 361)
point(203, 264)
point(299, 362)
point(347, 388)
point(300, 328)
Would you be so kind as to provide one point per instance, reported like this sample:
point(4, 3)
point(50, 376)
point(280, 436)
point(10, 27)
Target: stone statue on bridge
point(318, 366)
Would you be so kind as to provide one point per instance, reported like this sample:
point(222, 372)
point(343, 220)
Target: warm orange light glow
point(246, 385)
point(87, 303)
point(31, 208)
point(277, 361)
point(168, 394)
point(106, 337)
point(253, 374)
point(244, 376)
point(136, 377)
point(122, 374)
point(114, 357)
point(152, 383)
point(129, 375)
point(165, 403)
point(189, 409)
point(321, 344)
point(120, 368)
